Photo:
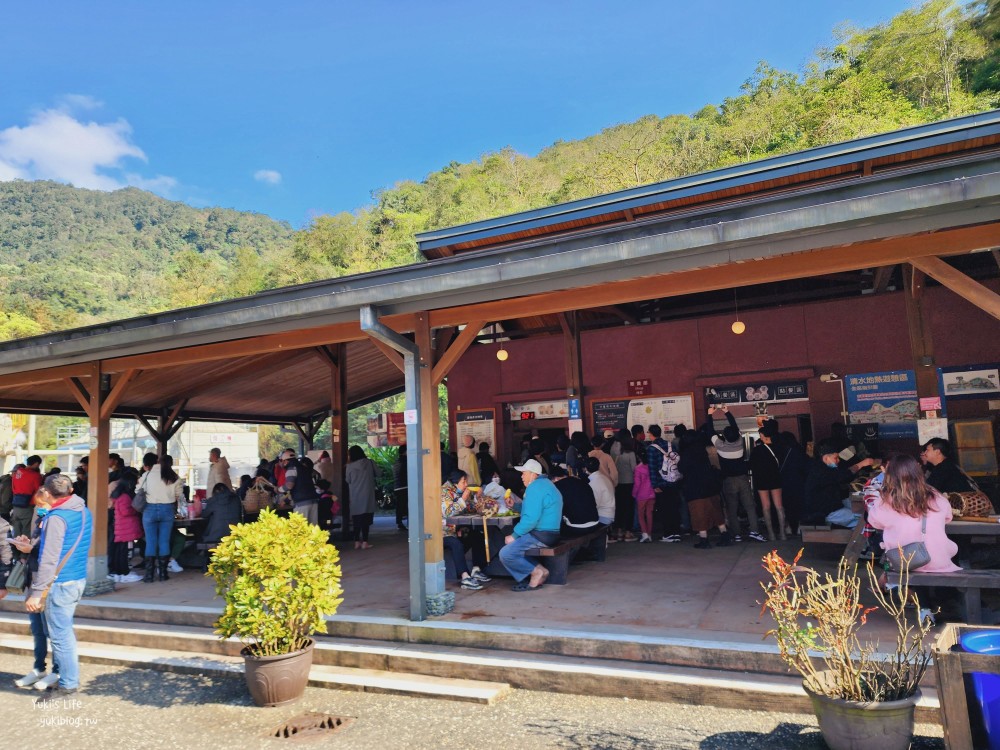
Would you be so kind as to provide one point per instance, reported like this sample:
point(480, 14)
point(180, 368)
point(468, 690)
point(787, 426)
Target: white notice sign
point(931, 428)
point(410, 416)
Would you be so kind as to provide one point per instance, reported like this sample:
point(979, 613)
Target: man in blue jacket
point(62, 572)
point(541, 514)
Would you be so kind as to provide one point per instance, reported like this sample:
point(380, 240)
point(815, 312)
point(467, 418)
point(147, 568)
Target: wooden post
point(430, 435)
point(338, 433)
point(921, 341)
point(574, 365)
point(97, 483)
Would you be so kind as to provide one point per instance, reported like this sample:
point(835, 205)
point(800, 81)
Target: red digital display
point(527, 415)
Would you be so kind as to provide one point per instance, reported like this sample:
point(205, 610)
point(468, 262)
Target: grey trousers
point(309, 510)
point(736, 491)
point(20, 519)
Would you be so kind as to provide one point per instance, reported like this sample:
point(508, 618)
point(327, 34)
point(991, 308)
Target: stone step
point(341, 678)
point(548, 672)
point(733, 652)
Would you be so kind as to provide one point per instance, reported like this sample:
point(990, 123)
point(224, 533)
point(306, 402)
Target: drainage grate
point(310, 726)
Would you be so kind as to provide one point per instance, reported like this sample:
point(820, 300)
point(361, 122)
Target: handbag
point(139, 502)
point(17, 579)
point(912, 556)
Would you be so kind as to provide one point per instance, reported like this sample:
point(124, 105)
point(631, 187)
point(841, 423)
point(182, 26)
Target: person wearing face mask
point(826, 489)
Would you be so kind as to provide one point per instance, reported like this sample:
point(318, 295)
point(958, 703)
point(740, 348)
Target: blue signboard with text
point(886, 399)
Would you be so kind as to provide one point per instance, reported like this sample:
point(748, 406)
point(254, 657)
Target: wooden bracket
point(114, 398)
point(458, 347)
point(969, 289)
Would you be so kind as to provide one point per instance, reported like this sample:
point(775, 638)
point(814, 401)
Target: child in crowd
point(645, 498)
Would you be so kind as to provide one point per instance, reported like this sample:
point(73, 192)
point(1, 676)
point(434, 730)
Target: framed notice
point(974, 381)
point(888, 399)
point(667, 411)
point(481, 424)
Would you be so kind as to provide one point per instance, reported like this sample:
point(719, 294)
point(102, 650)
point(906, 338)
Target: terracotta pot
point(848, 725)
point(276, 680)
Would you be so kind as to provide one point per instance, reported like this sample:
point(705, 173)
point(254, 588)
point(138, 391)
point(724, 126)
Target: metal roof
point(820, 158)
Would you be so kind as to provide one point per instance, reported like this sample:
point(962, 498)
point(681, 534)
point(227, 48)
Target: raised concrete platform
point(660, 621)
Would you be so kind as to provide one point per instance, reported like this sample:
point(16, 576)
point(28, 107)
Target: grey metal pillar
point(371, 325)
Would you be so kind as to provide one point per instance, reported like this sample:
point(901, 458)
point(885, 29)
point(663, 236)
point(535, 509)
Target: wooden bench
point(969, 582)
point(206, 549)
point(853, 539)
point(557, 558)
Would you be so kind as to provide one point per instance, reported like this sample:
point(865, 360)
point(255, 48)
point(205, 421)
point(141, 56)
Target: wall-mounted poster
point(666, 411)
point(888, 399)
point(481, 424)
point(395, 427)
point(976, 381)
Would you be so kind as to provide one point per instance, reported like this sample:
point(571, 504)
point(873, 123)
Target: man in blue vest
point(62, 572)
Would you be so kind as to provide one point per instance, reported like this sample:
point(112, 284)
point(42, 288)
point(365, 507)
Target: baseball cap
point(531, 465)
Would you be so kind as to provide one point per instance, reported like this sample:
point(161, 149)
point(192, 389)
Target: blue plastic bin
point(986, 685)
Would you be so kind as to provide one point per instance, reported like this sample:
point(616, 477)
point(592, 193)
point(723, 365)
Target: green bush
point(279, 578)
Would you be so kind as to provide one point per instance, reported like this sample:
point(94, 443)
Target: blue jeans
point(512, 556)
point(158, 522)
point(40, 634)
point(59, 609)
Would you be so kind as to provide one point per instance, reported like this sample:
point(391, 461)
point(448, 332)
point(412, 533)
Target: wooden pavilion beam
point(981, 296)
point(919, 328)
point(268, 344)
point(459, 346)
point(569, 323)
point(49, 375)
point(817, 262)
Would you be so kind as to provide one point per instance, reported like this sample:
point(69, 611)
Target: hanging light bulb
point(738, 325)
point(502, 353)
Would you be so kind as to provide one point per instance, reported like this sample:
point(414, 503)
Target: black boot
point(161, 568)
point(150, 563)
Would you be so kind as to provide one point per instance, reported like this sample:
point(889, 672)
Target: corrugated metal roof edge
point(821, 157)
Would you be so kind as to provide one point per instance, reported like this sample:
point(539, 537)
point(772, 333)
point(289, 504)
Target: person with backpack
point(6, 497)
point(736, 489)
point(665, 478)
point(25, 481)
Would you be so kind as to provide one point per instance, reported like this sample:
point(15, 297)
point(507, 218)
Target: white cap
point(531, 465)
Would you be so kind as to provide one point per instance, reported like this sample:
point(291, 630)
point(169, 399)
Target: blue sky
point(301, 108)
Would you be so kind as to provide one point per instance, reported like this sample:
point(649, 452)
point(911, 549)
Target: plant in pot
point(279, 578)
point(862, 698)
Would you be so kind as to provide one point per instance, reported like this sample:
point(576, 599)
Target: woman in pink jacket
point(899, 511)
point(645, 498)
point(128, 528)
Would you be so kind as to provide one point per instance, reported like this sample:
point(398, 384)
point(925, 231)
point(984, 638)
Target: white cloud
point(55, 145)
point(268, 176)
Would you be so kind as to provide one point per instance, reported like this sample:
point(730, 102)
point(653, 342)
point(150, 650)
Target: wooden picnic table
point(474, 519)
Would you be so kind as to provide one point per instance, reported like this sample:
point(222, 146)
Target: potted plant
point(862, 698)
point(279, 578)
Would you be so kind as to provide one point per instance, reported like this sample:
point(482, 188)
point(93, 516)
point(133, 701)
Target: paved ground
point(153, 710)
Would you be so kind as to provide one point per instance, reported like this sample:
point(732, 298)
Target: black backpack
point(6, 496)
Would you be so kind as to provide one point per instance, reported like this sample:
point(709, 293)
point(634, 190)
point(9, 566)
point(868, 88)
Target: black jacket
point(579, 506)
point(220, 512)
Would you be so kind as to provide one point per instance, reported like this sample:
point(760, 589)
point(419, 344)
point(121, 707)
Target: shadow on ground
point(148, 687)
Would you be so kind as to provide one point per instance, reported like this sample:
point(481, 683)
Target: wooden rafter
point(982, 297)
point(52, 374)
point(996, 257)
point(458, 347)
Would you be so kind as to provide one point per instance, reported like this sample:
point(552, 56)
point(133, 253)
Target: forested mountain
point(71, 257)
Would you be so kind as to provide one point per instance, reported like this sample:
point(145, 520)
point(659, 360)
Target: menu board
point(481, 424)
point(748, 393)
point(666, 411)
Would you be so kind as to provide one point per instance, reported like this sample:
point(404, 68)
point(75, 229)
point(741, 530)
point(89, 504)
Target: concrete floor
point(665, 590)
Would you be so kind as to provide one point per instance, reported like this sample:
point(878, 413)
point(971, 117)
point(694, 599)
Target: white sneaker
point(113, 577)
point(174, 567)
point(130, 578)
point(30, 679)
point(47, 682)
